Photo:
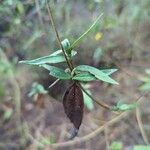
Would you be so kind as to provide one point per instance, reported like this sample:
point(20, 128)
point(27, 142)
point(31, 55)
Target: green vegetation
point(105, 50)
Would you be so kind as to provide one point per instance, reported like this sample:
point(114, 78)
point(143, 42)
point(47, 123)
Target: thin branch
point(57, 35)
point(139, 99)
point(106, 138)
point(76, 42)
point(94, 133)
point(54, 83)
point(102, 104)
point(127, 72)
point(141, 127)
point(90, 135)
point(80, 139)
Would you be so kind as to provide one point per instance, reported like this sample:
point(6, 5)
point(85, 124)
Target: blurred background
point(32, 116)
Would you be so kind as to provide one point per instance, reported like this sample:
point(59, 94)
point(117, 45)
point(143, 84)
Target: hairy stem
point(69, 62)
point(57, 36)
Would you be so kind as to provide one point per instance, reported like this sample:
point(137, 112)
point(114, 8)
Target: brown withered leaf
point(73, 104)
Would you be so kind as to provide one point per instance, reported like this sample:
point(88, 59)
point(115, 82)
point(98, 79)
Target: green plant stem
point(85, 33)
point(54, 83)
point(69, 62)
point(57, 36)
point(99, 103)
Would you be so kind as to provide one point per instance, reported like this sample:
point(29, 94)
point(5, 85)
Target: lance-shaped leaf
point(57, 72)
point(73, 104)
point(55, 57)
point(97, 73)
point(84, 76)
point(108, 71)
point(43, 60)
point(87, 76)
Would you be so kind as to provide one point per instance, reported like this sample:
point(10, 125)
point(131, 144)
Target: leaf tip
point(117, 83)
point(21, 62)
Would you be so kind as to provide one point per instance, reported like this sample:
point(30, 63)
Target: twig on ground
point(141, 127)
point(90, 135)
point(106, 137)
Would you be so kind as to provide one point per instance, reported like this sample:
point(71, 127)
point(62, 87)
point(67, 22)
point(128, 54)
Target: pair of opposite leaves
point(73, 105)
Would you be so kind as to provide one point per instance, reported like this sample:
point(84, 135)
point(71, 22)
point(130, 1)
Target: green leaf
point(66, 45)
point(145, 86)
point(48, 140)
point(73, 53)
point(141, 147)
point(55, 57)
point(109, 71)
point(43, 60)
point(84, 76)
point(88, 102)
point(97, 55)
point(76, 42)
point(116, 145)
point(56, 52)
point(121, 106)
point(147, 71)
point(37, 89)
point(7, 114)
point(97, 73)
point(57, 72)
point(20, 8)
point(4, 67)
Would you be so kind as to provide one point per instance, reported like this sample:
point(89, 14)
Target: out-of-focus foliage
point(146, 85)
point(141, 147)
point(121, 106)
point(37, 89)
point(116, 145)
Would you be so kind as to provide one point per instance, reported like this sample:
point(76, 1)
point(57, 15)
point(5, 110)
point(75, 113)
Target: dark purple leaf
point(73, 104)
